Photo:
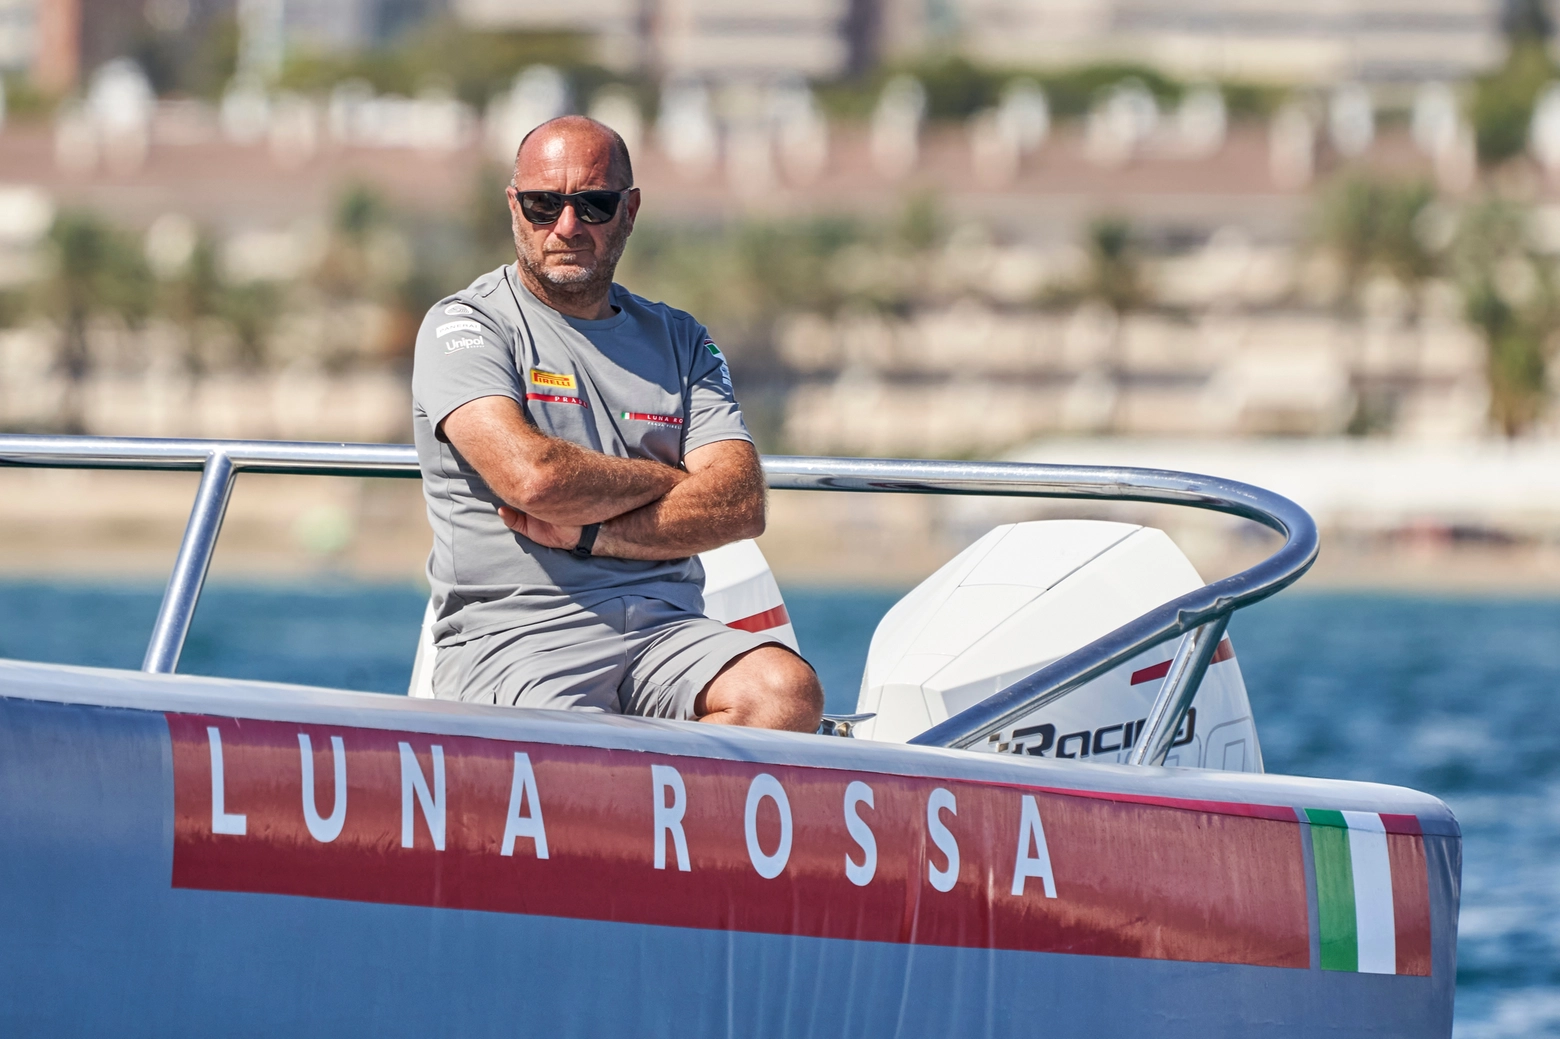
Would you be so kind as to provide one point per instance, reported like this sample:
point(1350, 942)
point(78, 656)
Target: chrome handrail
point(221, 460)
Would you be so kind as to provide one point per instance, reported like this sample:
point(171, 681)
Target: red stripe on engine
point(1148, 674)
point(1224, 651)
point(762, 621)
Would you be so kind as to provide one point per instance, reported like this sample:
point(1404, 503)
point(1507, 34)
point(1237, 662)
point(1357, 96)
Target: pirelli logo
point(553, 380)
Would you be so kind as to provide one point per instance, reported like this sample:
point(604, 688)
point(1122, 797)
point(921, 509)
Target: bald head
point(568, 260)
point(575, 141)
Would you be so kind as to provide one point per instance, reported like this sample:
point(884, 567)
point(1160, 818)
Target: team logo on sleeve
point(725, 372)
point(553, 380)
point(457, 326)
point(457, 309)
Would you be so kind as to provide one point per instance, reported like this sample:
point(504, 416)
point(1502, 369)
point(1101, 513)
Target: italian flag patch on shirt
point(645, 416)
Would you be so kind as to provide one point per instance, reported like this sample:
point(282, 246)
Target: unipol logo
point(463, 822)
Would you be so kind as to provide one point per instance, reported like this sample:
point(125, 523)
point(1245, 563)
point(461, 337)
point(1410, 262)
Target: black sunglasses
point(592, 207)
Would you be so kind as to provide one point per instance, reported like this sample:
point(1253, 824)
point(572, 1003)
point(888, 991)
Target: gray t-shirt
point(647, 382)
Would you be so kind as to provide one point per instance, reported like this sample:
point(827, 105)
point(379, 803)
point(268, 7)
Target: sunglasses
point(592, 207)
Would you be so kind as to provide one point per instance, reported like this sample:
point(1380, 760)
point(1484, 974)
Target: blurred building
point(351, 24)
point(59, 42)
point(719, 38)
point(621, 29)
point(1343, 40)
point(1373, 40)
point(18, 29)
point(1379, 40)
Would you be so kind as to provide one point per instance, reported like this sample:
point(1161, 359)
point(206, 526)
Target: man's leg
point(570, 662)
point(769, 688)
point(685, 665)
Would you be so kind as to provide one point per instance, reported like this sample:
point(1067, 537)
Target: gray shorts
point(630, 655)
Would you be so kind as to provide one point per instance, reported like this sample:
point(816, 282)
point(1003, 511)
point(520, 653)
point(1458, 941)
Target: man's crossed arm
point(647, 510)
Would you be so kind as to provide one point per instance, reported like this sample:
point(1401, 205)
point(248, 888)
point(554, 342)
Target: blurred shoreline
point(76, 526)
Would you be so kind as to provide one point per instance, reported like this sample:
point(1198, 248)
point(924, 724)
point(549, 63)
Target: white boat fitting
point(1005, 854)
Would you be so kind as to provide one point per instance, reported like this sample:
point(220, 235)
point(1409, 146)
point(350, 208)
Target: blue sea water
point(1454, 696)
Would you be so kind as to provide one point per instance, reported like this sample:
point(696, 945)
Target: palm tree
point(1509, 295)
point(1375, 226)
point(1114, 277)
point(1114, 280)
point(97, 271)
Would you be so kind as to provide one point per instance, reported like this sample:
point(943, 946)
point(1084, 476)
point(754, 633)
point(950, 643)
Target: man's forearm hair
point(548, 477)
point(718, 503)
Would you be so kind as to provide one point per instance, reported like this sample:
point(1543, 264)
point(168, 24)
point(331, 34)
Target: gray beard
point(579, 283)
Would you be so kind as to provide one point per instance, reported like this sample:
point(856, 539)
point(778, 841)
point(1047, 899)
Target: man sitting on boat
point(579, 445)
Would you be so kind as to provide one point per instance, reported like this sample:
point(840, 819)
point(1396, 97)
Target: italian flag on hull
point(1372, 892)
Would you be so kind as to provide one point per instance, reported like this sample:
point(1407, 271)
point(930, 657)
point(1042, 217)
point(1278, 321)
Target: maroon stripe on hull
point(1133, 878)
point(1410, 898)
point(1408, 824)
point(1276, 813)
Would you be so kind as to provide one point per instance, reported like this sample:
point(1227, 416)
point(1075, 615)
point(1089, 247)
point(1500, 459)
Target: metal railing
point(1198, 618)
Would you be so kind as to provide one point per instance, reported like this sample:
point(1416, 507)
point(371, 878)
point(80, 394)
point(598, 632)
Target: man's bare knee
point(768, 687)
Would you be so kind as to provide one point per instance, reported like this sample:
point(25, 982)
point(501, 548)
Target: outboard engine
point(740, 592)
point(1024, 595)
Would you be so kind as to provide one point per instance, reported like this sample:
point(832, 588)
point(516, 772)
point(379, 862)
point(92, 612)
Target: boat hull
point(160, 874)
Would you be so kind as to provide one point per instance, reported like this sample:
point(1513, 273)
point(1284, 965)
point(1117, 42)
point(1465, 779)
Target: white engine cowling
point(739, 591)
point(1024, 595)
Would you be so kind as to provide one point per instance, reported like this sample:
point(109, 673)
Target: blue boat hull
point(99, 939)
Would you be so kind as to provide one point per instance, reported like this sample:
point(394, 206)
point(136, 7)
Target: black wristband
point(587, 540)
